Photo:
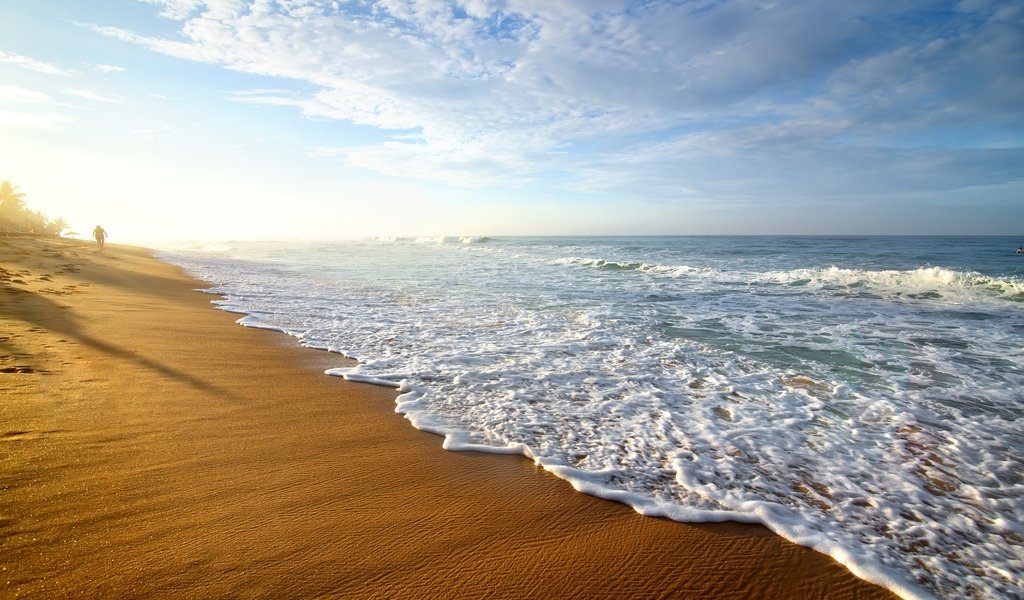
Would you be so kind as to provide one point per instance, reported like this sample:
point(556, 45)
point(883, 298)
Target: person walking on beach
point(101, 237)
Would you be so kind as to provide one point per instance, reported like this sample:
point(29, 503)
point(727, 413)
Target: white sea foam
point(611, 265)
point(936, 281)
point(201, 246)
point(871, 414)
point(445, 239)
point(927, 282)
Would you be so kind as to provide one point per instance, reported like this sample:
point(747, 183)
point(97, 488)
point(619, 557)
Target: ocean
point(861, 396)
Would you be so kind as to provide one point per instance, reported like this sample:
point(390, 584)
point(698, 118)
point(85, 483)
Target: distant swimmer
point(101, 237)
point(1020, 250)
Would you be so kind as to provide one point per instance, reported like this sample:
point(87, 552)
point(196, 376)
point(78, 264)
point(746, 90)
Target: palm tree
point(12, 203)
point(11, 200)
point(56, 226)
point(35, 221)
point(15, 214)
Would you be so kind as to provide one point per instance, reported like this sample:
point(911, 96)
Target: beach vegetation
point(17, 218)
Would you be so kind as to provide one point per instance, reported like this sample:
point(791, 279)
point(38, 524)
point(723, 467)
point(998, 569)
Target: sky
point(256, 119)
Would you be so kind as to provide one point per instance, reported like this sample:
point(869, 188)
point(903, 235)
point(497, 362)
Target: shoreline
point(152, 446)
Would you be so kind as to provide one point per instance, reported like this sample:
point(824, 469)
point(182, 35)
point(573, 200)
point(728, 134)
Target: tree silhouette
point(15, 214)
point(12, 202)
point(56, 226)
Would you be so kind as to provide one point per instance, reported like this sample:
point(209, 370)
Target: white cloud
point(43, 120)
point(324, 151)
point(35, 65)
point(108, 68)
point(13, 93)
point(657, 97)
point(176, 9)
point(150, 131)
point(93, 96)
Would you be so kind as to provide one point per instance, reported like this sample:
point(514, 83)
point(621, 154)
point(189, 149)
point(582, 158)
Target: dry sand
point(150, 447)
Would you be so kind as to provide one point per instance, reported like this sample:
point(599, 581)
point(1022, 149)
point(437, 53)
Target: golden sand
point(150, 447)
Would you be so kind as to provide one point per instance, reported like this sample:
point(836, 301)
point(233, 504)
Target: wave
point(611, 265)
point(472, 239)
point(443, 239)
point(200, 246)
point(920, 283)
point(923, 283)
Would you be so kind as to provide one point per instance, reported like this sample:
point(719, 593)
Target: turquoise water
point(857, 395)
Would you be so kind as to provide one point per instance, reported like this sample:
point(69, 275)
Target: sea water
point(861, 396)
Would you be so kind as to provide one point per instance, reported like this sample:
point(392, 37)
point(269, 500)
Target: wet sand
point(150, 447)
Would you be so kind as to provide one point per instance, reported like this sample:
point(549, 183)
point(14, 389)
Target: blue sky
point(335, 118)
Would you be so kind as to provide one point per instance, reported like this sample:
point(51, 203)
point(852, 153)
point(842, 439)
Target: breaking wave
point(926, 282)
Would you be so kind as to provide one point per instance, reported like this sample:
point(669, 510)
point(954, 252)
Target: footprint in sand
point(65, 291)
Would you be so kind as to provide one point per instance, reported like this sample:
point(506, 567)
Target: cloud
point(324, 151)
point(93, 96)
point(176, 9)
point(671, 99)
point(43, 120)
point(35, 65)
point(13, 93)
point(150, 132)
point(108, 68)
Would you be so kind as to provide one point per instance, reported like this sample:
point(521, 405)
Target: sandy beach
point(151, 447)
